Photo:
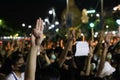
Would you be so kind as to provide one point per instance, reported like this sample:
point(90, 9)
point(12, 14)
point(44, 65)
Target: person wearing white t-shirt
point(18, 67)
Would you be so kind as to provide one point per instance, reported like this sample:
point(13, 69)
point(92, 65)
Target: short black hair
point(15, 56)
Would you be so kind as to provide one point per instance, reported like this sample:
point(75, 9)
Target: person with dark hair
point(51, 72)
point(17, 66)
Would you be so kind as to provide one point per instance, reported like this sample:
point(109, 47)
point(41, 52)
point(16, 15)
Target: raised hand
point(36, 39)
point(37, 35)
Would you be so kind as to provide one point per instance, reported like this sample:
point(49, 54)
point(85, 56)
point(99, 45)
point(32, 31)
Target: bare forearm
point(47, 59)
point(88, 68)
point(102, 61)
point(64, 53)
point(31, 64)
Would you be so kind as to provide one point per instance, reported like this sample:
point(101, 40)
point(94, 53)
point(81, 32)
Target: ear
point(13, 67)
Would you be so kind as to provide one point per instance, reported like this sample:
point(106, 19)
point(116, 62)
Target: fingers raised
point(37, 24)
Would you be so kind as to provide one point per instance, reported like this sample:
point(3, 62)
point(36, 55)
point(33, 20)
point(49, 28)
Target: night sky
point(16, 12)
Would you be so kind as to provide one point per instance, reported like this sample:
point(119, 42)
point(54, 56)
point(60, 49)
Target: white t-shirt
point(13, 76)
point(107, 69)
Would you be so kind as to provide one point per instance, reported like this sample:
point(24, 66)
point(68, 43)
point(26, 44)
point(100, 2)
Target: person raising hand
point(36, 40)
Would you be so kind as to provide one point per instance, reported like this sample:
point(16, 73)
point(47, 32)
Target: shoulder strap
point(14, 76)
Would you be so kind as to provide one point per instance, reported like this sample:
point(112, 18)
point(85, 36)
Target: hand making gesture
point(37, 34)
point(36, 40)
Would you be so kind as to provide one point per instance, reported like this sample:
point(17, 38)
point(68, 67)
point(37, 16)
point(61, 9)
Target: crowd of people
point(40, 59)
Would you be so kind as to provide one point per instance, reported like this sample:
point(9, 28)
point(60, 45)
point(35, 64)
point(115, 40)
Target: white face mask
point(53, 56)
point(93, 66)
point(109, 56)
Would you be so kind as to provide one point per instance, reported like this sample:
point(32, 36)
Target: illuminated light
point(43, 23)
point(66, 35)
point(98, 15)
point(114, 32)
point(44, 36)
point(30, 34)
point(50, 12)
point(46, 19)
point(92, 25)
point(29, 26)
point(57, 30)
point(96, 33)
point(91, 11)
point(4, 37)
point(103, 41)
point(38, 53)
point(91, 15)
point(1, 21)
point(10, 36)
point(118, 21)
point(23, 25)
point(107, 26)
point(82, 34)
point(106, 32)
point(16, 35)
point(52, 25)
point(56, 23)
point(115, 8)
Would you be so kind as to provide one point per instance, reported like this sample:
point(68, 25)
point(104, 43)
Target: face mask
point(22, 68)
point(109, 56)
point(93, 66)
point(53, 56)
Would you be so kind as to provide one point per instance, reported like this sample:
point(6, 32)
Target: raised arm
point(36, 39)
point(88, 68)
point(102, 60)
point(104, 53)
point(68, 45)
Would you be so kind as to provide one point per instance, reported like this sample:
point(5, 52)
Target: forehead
point(20, 61)
point(18, 57)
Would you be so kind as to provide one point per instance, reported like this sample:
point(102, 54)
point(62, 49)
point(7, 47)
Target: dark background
point(16, 12)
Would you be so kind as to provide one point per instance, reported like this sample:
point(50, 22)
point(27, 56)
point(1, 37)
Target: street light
point(1, 21)
point(50, 12)
point(92, 30)
point(118, 22)
point(56, 23)
point(107, 26)
point(47, 20)
point(92, 25)
point(29, 26)
point(23, 24)
point(97, 15)
point(91, 11)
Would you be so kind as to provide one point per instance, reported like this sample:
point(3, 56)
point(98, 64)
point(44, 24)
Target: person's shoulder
point(10, 77)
